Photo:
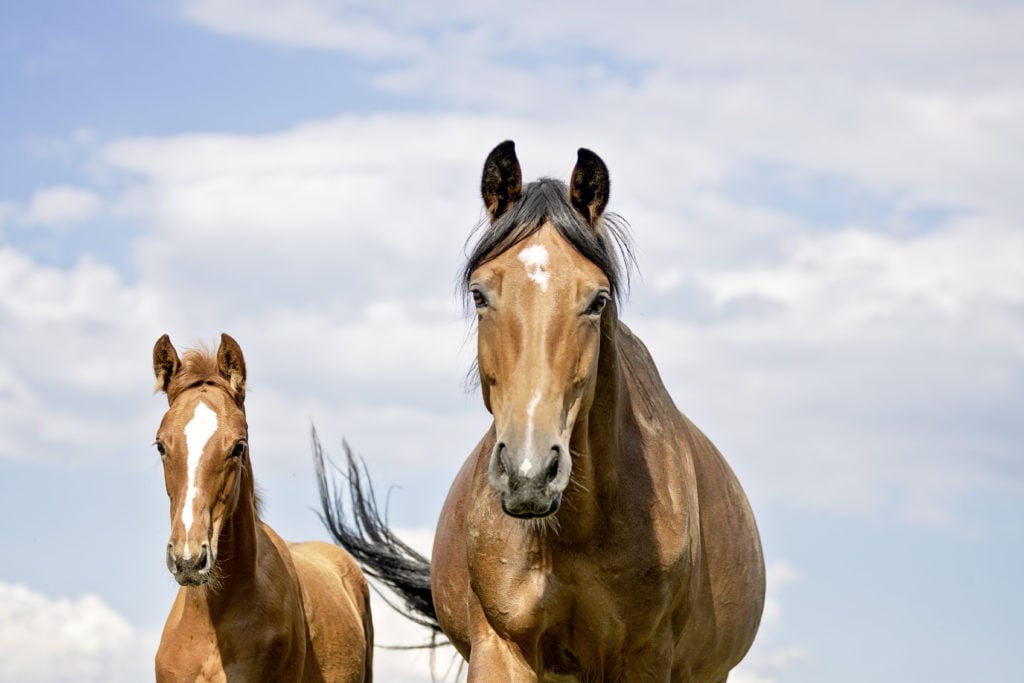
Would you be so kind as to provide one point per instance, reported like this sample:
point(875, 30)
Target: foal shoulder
point(336, 598)
point(326, 560)
point(329, 576)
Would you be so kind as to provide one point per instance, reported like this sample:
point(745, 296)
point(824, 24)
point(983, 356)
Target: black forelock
point(607, 245)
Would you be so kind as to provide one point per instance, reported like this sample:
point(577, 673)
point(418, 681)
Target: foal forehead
point(202, 410)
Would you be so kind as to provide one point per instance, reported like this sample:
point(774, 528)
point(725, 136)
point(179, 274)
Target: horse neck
point(597, 471)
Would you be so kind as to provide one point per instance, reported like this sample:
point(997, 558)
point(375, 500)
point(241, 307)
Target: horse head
point(541, 280)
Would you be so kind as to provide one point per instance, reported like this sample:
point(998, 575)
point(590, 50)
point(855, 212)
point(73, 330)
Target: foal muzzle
point(193, 570)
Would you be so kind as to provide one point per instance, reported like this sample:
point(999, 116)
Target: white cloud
point(305, 23)
point(44, 639)
point(70, 358)
point(878, 277)
point(779, 40)
point(61, 206)
point(924, 102)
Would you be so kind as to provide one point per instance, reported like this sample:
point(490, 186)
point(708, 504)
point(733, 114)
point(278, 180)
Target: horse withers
point(594, 534)
point(251, 607)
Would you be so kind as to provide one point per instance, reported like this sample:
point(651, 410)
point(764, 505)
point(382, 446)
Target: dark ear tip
point(502, 151)
point(162, 346)
point(589, 157)
point(501, 183)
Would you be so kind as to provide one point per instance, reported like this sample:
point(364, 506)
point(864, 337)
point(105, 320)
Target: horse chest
point(571, 612)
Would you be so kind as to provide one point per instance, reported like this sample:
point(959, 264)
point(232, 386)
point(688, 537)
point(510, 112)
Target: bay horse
point(251, 607)
point(595, 533)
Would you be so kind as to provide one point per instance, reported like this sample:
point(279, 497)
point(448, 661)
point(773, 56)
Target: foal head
point(203, 444)
point(541, 278)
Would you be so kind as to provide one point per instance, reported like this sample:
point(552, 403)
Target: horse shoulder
point(449, 564)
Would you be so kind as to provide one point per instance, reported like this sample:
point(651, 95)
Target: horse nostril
point(503, 465)
point(553, 466)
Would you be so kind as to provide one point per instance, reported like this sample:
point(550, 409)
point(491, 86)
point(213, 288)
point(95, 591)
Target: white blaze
point(198, 431)
point(527, 465)
point(535, 259)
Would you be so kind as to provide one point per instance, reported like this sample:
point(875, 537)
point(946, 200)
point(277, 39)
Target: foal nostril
point(553, 466)
point(204, 559)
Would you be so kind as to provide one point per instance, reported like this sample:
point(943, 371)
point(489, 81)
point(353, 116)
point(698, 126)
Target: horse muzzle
point(530, 486)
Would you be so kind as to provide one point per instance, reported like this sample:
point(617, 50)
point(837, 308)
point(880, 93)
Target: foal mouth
point(192, 578)
point(192, 571)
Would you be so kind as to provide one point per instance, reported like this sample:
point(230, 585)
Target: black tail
point(368, 539)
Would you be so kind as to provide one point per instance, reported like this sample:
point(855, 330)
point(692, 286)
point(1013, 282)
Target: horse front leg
point(493, 658)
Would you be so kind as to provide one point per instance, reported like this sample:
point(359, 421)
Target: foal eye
point(160, 449)
point(239, 449)
point(598, 304)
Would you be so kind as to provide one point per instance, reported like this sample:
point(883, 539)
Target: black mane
point(608, 246)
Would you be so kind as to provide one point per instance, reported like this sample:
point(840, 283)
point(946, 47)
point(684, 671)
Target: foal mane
point(198, 366)
point(607, 244)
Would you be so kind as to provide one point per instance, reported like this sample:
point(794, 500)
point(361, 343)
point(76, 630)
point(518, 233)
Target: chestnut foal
point(251, 607)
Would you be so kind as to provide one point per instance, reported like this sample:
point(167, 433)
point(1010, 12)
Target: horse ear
point(590, 185)
point(165, 363)
point(502, 180)
point(231, 364)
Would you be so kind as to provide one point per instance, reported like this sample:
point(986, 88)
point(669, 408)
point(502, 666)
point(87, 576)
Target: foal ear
point(231, 364)
point(589, 186)
point(165, 363)
point(502, 180)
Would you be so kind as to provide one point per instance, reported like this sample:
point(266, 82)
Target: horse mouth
point(529, 509)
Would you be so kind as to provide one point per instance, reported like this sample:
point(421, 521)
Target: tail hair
point(376, 548)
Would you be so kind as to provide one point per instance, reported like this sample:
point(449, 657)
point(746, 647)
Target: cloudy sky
point(826, 201)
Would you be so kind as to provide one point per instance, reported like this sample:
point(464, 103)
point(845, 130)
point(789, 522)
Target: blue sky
point(825, 201)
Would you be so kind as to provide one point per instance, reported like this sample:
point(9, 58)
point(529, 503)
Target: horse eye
point(238, 450)
point(479, 300)
point(598, 304)
point(160, 449)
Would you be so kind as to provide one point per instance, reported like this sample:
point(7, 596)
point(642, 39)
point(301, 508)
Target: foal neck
point(241, 540)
